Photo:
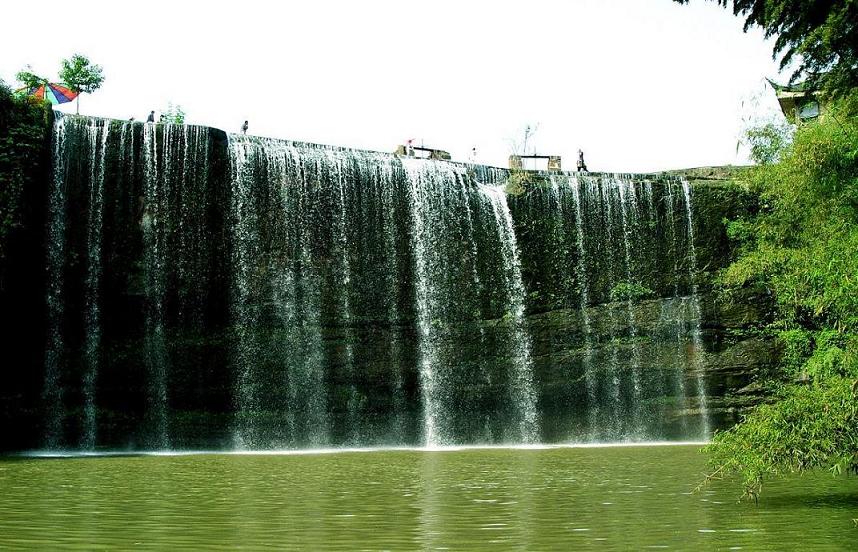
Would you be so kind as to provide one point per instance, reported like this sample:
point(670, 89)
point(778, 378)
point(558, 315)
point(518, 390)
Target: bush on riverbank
point(801, 247)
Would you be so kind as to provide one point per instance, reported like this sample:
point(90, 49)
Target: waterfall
point(396, 351)
point(205, 289)
point(437, 194)
point(629, 216)
point(155, 221)
point(311, 244)
point(669, 314)
point(189, 251)
point(344, 271)
point(522, 391)
point(593, 406)
point(98, 133)
point(631, 366)
point(297, 294)
point(612, 430)
point(55, 360)
point(454, 286)
point(427, 306)
point(695, 306)
point(244, 249)
point(682, 314)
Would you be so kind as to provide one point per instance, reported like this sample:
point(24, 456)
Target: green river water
point(612, 498)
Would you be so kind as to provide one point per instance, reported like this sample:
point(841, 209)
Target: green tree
point(80, 75)
point(30, 79)
point(801, 250)
point(174, 114)
point(819, 34)
point(767, 141)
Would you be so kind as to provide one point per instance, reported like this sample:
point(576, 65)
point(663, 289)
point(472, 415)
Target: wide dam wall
point(185, 288)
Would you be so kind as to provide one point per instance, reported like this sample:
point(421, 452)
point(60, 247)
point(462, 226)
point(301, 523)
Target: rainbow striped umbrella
point(52, 92)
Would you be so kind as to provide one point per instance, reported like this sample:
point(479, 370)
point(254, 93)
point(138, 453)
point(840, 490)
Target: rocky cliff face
point(201, 290)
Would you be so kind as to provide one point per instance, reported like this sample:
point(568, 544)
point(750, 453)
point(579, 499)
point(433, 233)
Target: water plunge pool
point(606, 498)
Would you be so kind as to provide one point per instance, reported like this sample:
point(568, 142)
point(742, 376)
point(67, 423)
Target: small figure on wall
point(582, 167)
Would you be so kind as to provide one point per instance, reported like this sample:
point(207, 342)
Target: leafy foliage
point(518, 181)
point(80, 75)
point(801, 248)
point(23, 130)
point(807, 427)
point(30, 79)
point(768, 141)
point(804, 239)
point(631, 291)
point(819, 33)
point(174, 114)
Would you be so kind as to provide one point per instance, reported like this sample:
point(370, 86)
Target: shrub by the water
point(802, 248)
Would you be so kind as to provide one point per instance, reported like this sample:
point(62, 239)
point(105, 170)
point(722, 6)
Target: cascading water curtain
point(314, 297)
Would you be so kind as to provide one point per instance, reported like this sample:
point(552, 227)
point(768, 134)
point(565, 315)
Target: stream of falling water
point(244, 251)
point(696, 336)
point(629, 217)
point(522, 391)
point(97, 137)
point(612, 430)
point(428, 307)
point(55, 361)
point(434, 201)
point(155, 219)
point(618, 361)
point(343, 180)
point(590, 381)
point(395, 353)
point(668, 312)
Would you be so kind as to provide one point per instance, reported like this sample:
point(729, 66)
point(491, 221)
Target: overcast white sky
point(639, 85)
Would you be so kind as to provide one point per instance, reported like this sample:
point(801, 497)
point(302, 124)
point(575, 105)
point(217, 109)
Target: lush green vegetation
point(631, 291)
point(173, 114)
point(819, 35)
point(23, 128)
point(802, 248)
point(80, 74)
point(30, 79)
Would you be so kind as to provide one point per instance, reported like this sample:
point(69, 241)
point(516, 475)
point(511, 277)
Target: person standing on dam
point(244, 128)
point(582, 167)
